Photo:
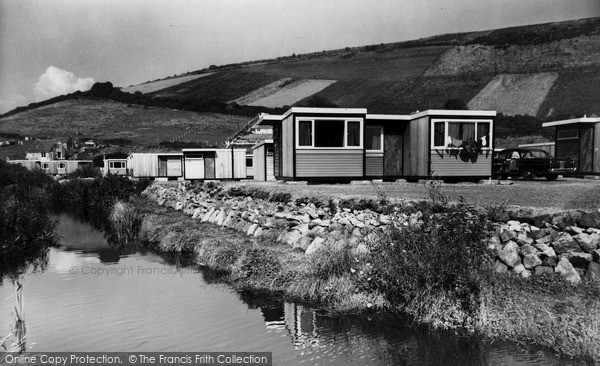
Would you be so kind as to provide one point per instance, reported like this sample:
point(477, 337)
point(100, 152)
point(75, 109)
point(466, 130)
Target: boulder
point(593, 272)
point(303, 243)
point(596, 255)
point(518, 269)
point(507, 235)
point(500, 267)
point(510, 257)
point(527, 249)
point(588, 242)
point(316, 245)
point(511, 245)
point(531, 261)
point(291, 237)
point(578, 259)
point(360, 249)
point(565, 243)
point(567, 271)
point(251, 229)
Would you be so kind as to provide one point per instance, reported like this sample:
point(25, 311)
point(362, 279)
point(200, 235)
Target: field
point(106, 120)
point(515, 93)
point(283, 92)
point(540, 195)
point(157, 85)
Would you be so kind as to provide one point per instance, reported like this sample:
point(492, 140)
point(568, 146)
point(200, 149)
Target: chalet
point(262, 155)
point(578, 139)
point(115, 166)
point(349, 143)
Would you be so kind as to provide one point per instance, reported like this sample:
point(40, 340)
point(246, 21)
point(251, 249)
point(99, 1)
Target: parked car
point(529, 164)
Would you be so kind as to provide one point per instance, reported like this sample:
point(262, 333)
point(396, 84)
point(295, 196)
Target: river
point(90, 298)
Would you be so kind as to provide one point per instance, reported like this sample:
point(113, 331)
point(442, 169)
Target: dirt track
point(541, 195)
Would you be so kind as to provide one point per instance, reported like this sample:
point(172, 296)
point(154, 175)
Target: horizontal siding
point(374, 165)
point(329, 163)
point(446, 165)
point(567, 149)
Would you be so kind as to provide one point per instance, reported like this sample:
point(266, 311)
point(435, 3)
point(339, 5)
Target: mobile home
point(115, 166)
point(578, 139)
point(340, 143)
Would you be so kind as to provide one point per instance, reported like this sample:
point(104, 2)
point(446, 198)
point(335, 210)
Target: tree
point(455, 104)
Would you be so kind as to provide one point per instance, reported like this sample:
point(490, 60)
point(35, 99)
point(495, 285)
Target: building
point(578, 139)
point(262, 155)
point(349, 143)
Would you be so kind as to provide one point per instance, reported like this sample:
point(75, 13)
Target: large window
point(374, 138)
point(329, 133)
point(116, 164)
point(454, 134)
point(567, 134)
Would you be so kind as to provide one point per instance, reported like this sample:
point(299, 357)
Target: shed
point(155, 165)
point(263, 156)
point(578, 139)
point(209, 163)
point(341, 143)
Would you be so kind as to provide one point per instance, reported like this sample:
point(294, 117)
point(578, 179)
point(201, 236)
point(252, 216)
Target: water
point(91, 298)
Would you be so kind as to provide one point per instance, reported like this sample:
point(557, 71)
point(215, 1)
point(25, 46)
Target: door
point(194, 166)
point(173, 167)
point(392, 149)
point(586, 150)
point(209, 165)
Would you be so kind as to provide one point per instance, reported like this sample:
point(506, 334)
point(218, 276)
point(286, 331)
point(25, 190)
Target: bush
point(445, 252)
point(281, 197)
point(86, 171)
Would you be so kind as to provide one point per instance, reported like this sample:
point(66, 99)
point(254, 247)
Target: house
point(48, 150)
point(578, 139)
point(262, 155)
point(349, 143)
point(53, 167)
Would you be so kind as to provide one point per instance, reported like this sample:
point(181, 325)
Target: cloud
point(57, 81)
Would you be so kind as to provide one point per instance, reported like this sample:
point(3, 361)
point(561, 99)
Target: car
point(529, 164)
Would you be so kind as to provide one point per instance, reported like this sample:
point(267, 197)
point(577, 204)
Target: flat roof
point(391, 117)
point(572, 121)
point(454, 112)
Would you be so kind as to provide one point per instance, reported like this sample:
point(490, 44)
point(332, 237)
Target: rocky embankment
point(565, 243)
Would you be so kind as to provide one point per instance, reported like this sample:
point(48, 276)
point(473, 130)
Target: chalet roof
point(572, 121)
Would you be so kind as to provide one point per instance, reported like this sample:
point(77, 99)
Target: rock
point(527, 249)
point(574, 230)
point(567, 271)
point(384, 220)
point(315, 246)
point(549, 261)
point(360, 249)
point(511, 245)
point(220, 218)
point(578, 259)
point(335, 235)
point(500, 267)
point(510, 257)
point(318, 230)
point(336, 227)
point(523, 239)
point(291, 237)
point(302, 228)
point(344, 221)
point(252, 229)
point(588, 242)
point(518, 269)
point(178, 206)
point(580, 271)
point(258, 232)
point(312, 213)
point(531, 261)
point(544, 240)
point(540, 270)
point(525, 273)
point(565, 244)
point(589, 219)
point(354, 241)
point(303, 243)
point(197, 213)
point(507, 235)
point(593, 272)
point(596, 255)
point(538, 234)
point(228, 220)
point(356, 232)
point(541, 247)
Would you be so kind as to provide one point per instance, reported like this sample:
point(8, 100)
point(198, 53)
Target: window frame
point(576, 137)
point(61, 166)
point(380, 138)
point(449, 120)
point(45, 166)
point(297, 121)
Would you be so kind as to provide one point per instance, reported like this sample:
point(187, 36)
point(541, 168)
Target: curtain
point(353, 134)
point(305, 133)
point(454, 138)
point(483, 134)
point(468, 131)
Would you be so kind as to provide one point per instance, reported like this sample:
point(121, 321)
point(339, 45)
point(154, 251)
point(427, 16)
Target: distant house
point(50, 157)
point(343, 144)
point(48, 151)
point(578, 139)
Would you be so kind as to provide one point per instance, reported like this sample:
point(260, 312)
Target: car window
point(537, 154)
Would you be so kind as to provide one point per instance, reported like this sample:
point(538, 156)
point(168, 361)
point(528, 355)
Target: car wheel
point(552, 176)
point(528, 174)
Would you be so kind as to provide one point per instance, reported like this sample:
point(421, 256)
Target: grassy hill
point(547, 71)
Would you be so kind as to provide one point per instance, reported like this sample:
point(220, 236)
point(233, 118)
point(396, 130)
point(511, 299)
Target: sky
point(53, 47)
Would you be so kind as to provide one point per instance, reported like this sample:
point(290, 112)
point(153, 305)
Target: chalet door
point(586, 150)
point(209, 165)
point(174, 167)
point(194, 166)
point(162, 166)
point(392, 149)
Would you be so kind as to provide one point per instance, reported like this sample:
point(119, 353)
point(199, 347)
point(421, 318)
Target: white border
point(446, 120)
point(338, 118)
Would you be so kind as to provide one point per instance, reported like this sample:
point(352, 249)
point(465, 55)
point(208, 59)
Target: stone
point(565, 243)
point(336, 227)
point(580, 271)
point(523, 239)
point(354, 241)
point(531, 261)
point(356, 232)
point(518, 269)
point(178, 206)
point(251, 229)
point(344, 221)
point(360, 249)
point(302, 228)
point(567, 271)
point(316, 245)
point(593, 272)
point(220, 218)
point(527, 249)
point(384, 220)
point(317, 230)
point(258, 232)
point(544, 240)
point(337, 234)
point(588, 242)
point(312, 213)
point(228, 220)
point(303, 243)
point(197, 213)
point(511, 245)
point(579, 259)
point(589, 219)
point(596, 255)
point(574, 230)
point(500, 267)
point(540, 270)
point(291, 237)
point(510, 257)
point(507, 235)
point(549, 261)
point(541, 247)
point(525, 273)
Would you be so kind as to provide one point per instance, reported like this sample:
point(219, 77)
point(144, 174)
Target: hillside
point(546, 71)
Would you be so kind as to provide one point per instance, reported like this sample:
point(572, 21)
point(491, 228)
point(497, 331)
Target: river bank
point(450, 284)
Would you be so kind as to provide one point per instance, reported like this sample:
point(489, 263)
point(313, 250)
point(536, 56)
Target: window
point(270, 151)
point(45, 166)
point(249, 162)
point(454, 134)
point(567, 134)
point(374, 138)
point(194, 156)
point(58, 154)
point(116, 164)
point(61, 165)
point(329, 133)
point(44, 155)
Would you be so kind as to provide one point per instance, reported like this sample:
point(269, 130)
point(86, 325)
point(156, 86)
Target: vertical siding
point(416, 142)
point(269, 168)
point(445, 164)
point(277, 148)
point(329, 163)
point(143, 165)
point(596, 148)
point(223, 166)
point(586, 149)
point(239, 161)
point(288, 146)
point(374, 164)
point(259, 163)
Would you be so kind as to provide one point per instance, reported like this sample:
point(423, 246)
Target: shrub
point(86, 171)
point(445, 252)
point(329, 262)
point(281, 197)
